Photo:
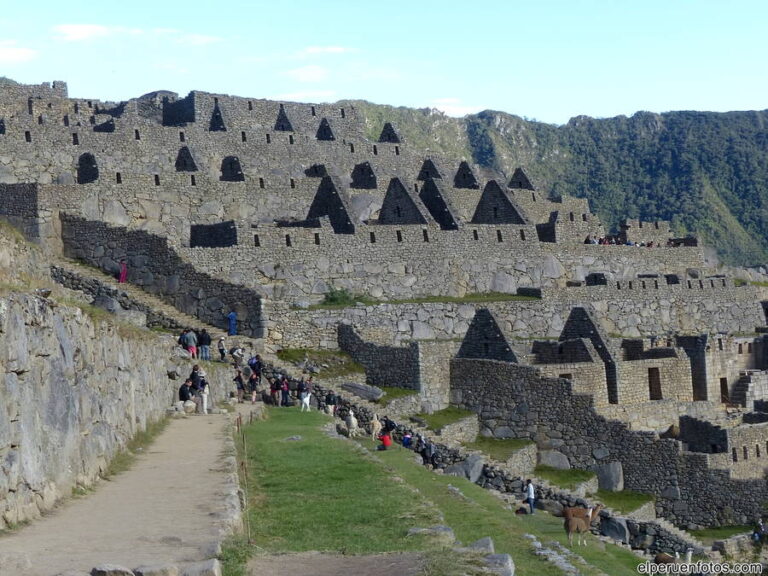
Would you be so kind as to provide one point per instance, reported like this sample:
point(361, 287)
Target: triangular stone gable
point(581, 324)
point(231, 171)
point(484, 339)
point(388, 134)
point(363, 177)
point(434, 201)
point(520, 181)
point(324, 131)
point(316, 171)
point(495, 208)
point(465, 178)
point(328, 202)
point(282, 124)
point(217, 121)
point(184, 161)
point(398, 206)
point(428, 170)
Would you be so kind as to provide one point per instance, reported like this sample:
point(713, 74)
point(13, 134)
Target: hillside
point(706, 172)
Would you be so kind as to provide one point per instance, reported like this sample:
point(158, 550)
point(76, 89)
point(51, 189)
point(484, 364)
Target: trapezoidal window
point(231, 171)
point(87, 169)
point(181, 137)
point(118, 178)
point(654, 384)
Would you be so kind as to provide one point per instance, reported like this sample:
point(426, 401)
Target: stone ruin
point(635, 354)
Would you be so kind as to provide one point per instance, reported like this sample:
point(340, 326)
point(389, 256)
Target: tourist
point(407, 439)
point(386, 441)
point(232, 323)
point(204, 391)
point(123, 278)
point(239, 384)
point(330, 403)
point(285, 391)
point(253, 385)
point(222, 349)
point(204, 341)
point(190, 342)
point(255, 364)
point(530, 493)
point(237, 354)
point(185, 392)
point(274, 390)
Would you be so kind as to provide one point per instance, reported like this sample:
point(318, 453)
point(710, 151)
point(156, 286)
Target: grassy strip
point(568, 479)
point(500, 449)
point(124, 459)
point(393, 393)
point(346, 300)
point(318, 494)
point(339, 363)
point(626, 501)
point(709, 535)
point(478, 514)
point(450, 415)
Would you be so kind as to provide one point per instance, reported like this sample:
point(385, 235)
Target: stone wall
point(74, 393)
point(153, 265)
point(515, 401)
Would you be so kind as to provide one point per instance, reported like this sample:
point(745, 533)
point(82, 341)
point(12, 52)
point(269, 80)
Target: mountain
point(706, 172)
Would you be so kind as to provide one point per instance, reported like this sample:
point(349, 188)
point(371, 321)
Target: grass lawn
point(709, 535)
point(500, 449)
point(625, 501)
point(450, 415)
point(329, 494)
point(564, 478)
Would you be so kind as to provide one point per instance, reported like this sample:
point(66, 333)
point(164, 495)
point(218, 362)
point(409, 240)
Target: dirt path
point(163, 510)
point(317, 564)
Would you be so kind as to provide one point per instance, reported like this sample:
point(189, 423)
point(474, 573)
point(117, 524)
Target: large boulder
point(615, 528)
point(471, 468)
point(364, 391)
point(610, 476)
point(554, 459)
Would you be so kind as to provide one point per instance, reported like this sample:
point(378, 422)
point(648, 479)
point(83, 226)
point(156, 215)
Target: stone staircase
point(695, 543)
point(78, 276)
point(740, 390)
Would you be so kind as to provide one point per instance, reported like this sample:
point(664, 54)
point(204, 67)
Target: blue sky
point(543, 59)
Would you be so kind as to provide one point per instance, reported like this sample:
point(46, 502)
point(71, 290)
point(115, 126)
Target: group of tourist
point(197, 343)
point(196, 389)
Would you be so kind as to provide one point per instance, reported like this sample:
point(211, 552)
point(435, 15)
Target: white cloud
point(453, 107)
point(311, 50)
point(309, 96)
point(198, 39)
point(80, 32)
point(311, 73)
point(10, 53)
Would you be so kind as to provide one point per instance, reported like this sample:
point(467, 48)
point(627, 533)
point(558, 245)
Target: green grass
point(339, 363)
point(568, 479)
point(347, 300)
point(500, 449)
point(124, 459)
point(625, 501)
point(322, 493)
point(299, 486)
point(759, 283)
point(393, 393)
point(709, 535)
point(450, 415)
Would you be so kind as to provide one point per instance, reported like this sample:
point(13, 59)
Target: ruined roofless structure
point(223, 203)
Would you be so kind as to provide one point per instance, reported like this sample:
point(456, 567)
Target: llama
point(352, 424)
point(375, 427)
point(578, 521)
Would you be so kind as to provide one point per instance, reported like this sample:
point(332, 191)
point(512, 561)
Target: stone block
point(158, 570)
point(205, 568)
point(615, 528)
point(111, 570)
point(554, 459)
point(610, 476)
point(471, 468)
point(501, 564)
point(440, 534)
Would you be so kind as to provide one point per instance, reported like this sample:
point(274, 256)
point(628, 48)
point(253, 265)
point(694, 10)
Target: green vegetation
point(322, 493)
point(705, 172)
point(336, 299)
point(393, 393)
point(568, 479)
point(625, 501)
point(124, 459)
point(450, 415)
point(338, 363)
point(709, 535)
point(500, 449)
point(758, 283)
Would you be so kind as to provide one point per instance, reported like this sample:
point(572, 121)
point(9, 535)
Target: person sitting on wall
point(185, 392)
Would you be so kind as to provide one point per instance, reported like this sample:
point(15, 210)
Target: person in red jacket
point(386, 441)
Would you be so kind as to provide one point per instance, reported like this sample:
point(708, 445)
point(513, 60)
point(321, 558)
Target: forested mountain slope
point(706, 172)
